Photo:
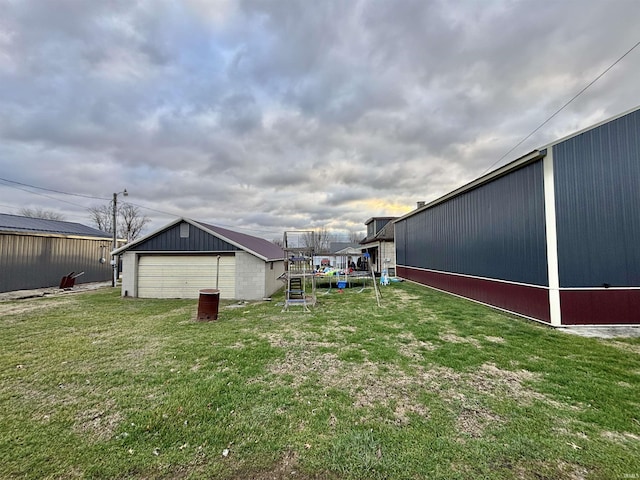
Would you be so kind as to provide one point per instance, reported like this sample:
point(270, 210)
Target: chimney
point(421, 204)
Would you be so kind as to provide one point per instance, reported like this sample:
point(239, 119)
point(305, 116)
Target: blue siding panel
point(597, 182)
point(198, 241)
point(495, 231)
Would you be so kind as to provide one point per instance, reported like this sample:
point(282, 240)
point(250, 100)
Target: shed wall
point(273, 272)
point(250, 277)
point(34, 261)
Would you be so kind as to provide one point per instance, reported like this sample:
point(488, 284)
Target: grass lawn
point(428, 386)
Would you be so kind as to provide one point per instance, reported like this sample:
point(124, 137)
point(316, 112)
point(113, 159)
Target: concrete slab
point(41, 292)
point(603, 331)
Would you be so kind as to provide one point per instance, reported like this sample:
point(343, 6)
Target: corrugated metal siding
point(31, 261)
point(597, 181)
point(198, 241)
point(495, 231)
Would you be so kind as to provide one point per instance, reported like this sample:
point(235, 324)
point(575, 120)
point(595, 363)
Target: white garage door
point(182, 276)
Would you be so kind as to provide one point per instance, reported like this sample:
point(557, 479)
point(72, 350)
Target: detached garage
point(185, 256)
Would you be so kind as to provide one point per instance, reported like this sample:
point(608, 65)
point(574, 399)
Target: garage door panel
point(182, 276)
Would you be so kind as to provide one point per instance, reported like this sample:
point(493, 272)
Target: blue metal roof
point(19, 224)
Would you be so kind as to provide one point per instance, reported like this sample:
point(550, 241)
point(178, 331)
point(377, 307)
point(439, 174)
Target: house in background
point(338, 255)
point(185, 256)
point(37, 253)
point(379, 244)
point(552, 236)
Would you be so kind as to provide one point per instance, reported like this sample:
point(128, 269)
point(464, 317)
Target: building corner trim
point(552, 239)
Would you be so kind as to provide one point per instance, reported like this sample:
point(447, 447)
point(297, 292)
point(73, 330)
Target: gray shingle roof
point(19, 224)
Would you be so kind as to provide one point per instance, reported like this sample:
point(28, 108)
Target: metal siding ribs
point(198, 241)
point(493, 231)
point(597, 179)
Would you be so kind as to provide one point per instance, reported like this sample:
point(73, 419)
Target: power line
point(101, 198)
point(51, 190)
point(562, 107)
point(43, 195)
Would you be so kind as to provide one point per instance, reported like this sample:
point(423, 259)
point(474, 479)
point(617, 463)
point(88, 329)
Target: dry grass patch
point(628, 347)
point(411, 347)
point(489, 338)
point(619, 437)
point(99, 423)
point(13, 308)
point(474, 419)
point(451, 337)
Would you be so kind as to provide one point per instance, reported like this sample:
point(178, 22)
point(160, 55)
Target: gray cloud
point(272, 115)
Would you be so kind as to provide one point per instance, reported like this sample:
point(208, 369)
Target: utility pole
point(114, 259)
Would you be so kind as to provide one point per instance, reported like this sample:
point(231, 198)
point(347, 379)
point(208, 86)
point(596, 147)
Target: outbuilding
point(37, 253)
point(185, 256)
point(553, 236)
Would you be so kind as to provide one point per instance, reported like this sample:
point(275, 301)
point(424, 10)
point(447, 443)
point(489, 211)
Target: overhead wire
point(51, 190)
point(16, 183)
point(561, 108)
point(42, 194)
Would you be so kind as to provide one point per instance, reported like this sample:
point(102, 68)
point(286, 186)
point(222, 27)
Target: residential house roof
point(385, 234)
point(28, 225)
point(343, 247)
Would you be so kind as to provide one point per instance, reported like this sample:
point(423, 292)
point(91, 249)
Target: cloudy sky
point(266, 116)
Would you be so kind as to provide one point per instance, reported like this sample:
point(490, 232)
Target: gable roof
point(259, 247)
point(343, 247)
point(28, 225)
point(378, 218)
point(385, 234)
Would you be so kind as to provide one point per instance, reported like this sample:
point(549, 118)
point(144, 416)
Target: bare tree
point(319, 239)
point(355, 237)
point(102, 217)
point(130, 220)
point(40, 213)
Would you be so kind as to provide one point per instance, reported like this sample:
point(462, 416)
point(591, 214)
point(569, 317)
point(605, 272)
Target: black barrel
point(208, 304)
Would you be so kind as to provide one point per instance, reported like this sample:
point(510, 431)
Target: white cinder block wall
point(250, 277)
point(129, 274)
